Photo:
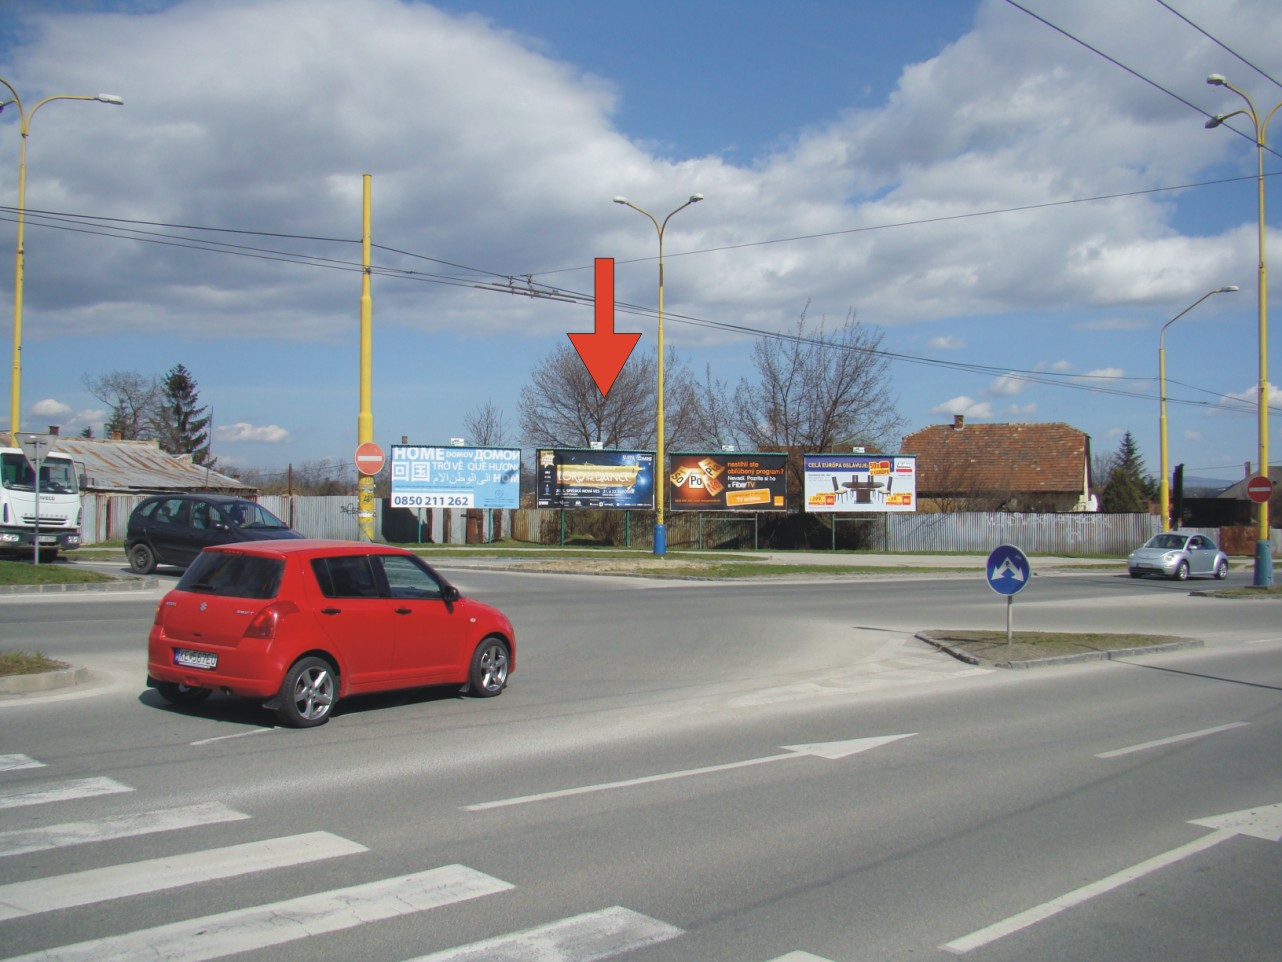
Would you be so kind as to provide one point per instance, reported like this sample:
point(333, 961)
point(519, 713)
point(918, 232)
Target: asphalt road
point(689, 771)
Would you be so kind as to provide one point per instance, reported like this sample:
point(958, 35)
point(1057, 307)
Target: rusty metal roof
point(125, 467)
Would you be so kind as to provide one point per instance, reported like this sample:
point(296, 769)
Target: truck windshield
point(57, 475)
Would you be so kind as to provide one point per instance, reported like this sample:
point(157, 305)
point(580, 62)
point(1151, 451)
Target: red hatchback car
point(302, 623)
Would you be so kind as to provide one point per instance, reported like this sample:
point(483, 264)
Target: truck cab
point(42, 510)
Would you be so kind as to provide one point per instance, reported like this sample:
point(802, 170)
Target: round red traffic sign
point(369, 458)
point(1259, 489)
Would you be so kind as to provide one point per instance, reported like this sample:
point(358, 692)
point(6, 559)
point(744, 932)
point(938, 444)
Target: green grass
point(991, 647)
point(22, 663)
point(26, 573)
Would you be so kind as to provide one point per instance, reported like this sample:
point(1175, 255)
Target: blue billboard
point(583, 478)
point(455, 477)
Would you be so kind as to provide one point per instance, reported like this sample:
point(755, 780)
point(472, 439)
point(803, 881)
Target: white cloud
point(966, 406)
point(243, 431)
point(946, 342)
point(1008, 385)
point(50, 408)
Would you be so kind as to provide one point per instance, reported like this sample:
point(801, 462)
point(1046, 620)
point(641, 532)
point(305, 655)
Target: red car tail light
point(265, 622)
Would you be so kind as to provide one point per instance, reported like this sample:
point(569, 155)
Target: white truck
point(48, 521)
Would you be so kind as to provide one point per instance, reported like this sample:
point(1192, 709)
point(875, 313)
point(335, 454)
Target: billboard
point(450, 477)
point(860, 482)
point(579, 478)
point(728, 481)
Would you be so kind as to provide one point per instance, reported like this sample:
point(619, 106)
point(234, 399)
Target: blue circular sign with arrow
point(1007, 570)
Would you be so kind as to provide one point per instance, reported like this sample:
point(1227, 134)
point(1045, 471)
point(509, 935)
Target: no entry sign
point(369, 458)
point(1259, 489)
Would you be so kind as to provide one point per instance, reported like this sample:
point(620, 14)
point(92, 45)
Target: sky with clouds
point(1017, 195)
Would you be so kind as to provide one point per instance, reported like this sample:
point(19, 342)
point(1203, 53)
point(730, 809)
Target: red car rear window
point(233, 575)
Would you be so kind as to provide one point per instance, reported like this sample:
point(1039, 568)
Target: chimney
point(115, 435)
point(959, 421)
point(54, 429)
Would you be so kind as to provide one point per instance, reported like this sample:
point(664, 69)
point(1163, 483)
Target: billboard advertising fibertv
point(455, 477)
point(728, 481)
point(860, 482)
point(580, 478)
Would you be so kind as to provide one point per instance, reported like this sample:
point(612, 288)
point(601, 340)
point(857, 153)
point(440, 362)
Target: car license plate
point(195, 659)
point(48, 539)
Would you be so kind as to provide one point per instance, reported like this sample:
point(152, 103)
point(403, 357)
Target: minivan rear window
point(233, 575)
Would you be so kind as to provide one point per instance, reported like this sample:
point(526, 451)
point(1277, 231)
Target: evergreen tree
point(1128, 489)
point(182, 425)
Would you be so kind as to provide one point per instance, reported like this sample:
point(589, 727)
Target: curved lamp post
point(1263, 554)
point(660, 475)
point(1161, 378)
point(24, 128)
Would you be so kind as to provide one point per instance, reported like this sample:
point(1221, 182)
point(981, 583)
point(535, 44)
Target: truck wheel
point(141, 560)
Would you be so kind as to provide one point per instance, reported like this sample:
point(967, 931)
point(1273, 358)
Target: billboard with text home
point(455, 477)
point(860, 482)
point(728, 481)
point(579, 478)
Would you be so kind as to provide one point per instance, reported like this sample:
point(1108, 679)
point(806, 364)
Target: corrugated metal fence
point(1071, 534)
point(1110, 535)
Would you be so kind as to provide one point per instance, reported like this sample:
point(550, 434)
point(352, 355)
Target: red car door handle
point(404, 611)
point(331, 611)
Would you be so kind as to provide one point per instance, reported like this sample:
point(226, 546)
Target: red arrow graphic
point(604, 352)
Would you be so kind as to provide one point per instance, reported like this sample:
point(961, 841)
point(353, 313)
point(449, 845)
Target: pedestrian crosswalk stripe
point(242, 930)
point(158, 874)
point(12, 763)
point(800, 957)
point(20, 841)
point(582, 938)
point(63, 791)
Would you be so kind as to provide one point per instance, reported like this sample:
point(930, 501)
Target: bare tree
point(563, 406)
point(486, 426)
point(135, 401)
point(814, 391)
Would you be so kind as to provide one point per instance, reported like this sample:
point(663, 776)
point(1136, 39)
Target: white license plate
point(195, 659)
point(48, 539)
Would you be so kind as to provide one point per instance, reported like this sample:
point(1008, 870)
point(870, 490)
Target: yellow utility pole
point(1263, 551)
point(24, 129)
point(365, 420)
point(660, 473)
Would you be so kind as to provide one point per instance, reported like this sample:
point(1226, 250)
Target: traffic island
point(1037, 649)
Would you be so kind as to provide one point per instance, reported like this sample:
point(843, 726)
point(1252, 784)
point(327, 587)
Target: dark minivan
point(171, 529)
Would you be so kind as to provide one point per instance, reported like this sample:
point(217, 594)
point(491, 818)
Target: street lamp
point(1263, 553)
point(1161, 380)
point(660, 482)
point(24, 128)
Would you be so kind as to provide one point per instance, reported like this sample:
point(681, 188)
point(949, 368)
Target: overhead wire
point(507, 283)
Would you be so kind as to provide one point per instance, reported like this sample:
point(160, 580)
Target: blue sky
point(1008, 207)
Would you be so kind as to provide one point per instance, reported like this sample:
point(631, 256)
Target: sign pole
point(365, 418)
point(1007, 572)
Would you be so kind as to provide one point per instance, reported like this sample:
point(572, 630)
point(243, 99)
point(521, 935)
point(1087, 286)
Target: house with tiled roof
point(1001, 467)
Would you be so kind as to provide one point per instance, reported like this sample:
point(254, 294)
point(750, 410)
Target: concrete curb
point(120, 584)
point(44, 681)
point(1062, 659)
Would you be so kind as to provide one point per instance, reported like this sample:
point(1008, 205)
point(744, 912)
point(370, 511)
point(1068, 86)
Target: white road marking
point(12, 763)
point(1264, 822)
point(829, 750)
point(60, 791)
point(158, 874)
point(223, 738)
point(800, 957)
point(67, 834)
point(1039, 913)
point(1188, 736)
point(583, 938)
point(243, 930)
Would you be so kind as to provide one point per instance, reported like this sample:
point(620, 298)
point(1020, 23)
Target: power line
point(1227, 49)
